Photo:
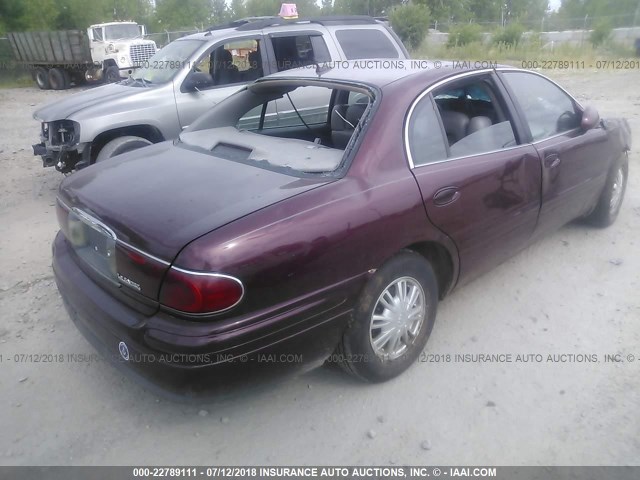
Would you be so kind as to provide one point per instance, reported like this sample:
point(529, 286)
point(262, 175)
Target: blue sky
point(554, 4)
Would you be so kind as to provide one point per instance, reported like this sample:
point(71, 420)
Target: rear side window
point(366, 43)
point(426, 142)
point(299, 51)
point(473, 119)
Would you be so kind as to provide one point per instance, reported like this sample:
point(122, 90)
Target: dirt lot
point(576, 292)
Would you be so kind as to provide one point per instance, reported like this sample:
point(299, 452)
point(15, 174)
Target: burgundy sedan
point(329, 228)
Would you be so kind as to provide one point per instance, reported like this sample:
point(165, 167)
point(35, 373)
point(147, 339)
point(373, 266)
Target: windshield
point(125, 30)
point(167, 62)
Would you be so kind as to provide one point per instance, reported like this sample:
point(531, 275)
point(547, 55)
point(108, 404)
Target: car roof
point(380, 72)
point(250, 25)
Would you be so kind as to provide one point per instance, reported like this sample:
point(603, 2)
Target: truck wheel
point(112, 74)
point(59, 79)
point(42, 78)
point(121, 145)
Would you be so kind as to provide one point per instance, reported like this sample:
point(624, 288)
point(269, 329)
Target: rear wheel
point(42, 78)
point(610, 200)
point(121, 145)
point(59, 79)
point(393, 319)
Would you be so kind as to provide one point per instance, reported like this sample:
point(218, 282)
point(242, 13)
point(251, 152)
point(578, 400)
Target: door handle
point(552, 160)
point(446, 195)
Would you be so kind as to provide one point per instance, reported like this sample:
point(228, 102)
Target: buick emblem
point(124, 350)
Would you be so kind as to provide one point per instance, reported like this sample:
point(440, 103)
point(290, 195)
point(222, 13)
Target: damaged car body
point(333, 230)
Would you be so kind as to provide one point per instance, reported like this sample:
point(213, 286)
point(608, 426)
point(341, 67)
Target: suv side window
point(237, 61)
point(366, 43)
point(426, 142)
point(474, 121)
point(292, 51)
point(547, 108)
point(311, 103)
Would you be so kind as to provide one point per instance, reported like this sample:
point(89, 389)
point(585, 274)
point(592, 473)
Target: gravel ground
point(576, 292)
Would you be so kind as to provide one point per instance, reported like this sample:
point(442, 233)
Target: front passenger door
point(571, 159)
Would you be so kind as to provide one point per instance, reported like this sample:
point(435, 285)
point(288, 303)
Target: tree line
point(167, 15)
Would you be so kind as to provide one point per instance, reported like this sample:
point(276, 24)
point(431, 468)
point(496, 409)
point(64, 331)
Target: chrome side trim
point(94, 223)
point(453, 159)
point(110, 232)
point(207, 274)
point(142, 252)
point(424, 94)
point(412, 166)
point(63, 205)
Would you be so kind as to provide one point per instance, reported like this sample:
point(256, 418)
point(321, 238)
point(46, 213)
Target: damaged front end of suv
point(60, 145)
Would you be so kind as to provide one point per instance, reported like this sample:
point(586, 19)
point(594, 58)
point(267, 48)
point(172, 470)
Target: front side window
point(547, 108)
point(167, 62)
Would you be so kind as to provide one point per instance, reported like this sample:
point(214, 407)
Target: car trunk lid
point(143, 207)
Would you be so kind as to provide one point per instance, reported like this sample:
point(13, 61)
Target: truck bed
point(64, 47)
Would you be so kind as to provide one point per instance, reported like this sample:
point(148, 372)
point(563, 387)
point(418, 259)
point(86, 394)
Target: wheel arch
point(442, 262)
point(108, 62)
point(146, 131)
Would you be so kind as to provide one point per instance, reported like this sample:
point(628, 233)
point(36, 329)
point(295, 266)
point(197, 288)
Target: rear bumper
point(187, 364)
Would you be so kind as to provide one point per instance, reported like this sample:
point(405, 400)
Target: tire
point(112, 74)
point(612, 195)
point(42, 78)
point(59, 79)
point(121, 145)
point(369, 352)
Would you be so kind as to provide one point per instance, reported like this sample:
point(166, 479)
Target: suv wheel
point(121, 145)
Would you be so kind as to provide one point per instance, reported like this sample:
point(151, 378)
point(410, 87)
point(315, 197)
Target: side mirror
point(196, 81)
point(590, 118)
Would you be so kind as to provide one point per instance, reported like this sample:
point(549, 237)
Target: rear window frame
point(341, 170)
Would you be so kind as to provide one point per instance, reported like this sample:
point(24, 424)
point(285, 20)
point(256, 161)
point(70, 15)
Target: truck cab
point(118, 47)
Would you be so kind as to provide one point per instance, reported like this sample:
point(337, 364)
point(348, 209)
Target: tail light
point(200, 292)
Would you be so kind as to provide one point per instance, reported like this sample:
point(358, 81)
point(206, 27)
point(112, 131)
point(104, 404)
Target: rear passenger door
point(479, 183)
